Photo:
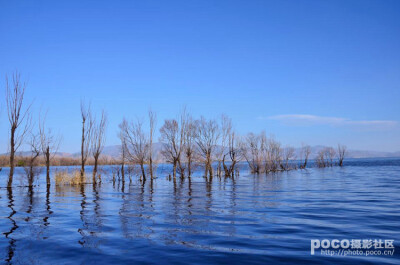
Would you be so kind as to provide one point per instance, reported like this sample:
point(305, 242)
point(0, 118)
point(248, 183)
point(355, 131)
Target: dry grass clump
point(66, 178)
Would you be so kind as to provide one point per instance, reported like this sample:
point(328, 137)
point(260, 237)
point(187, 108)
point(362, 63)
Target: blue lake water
point(265, 219)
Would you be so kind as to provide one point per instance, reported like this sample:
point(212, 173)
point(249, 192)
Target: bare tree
point(137, 144)
point(189, 146)
point(342, 151)
point(98, 139)
point(274, 155)
point(325, 157)
point(49, 145)
point(172, 143)
point(229, 148)
point(207, 135)
point(87, 127)
point(173, 135)
point(288, 154)
point(330, 154)
point(251, 148)
point(34, 144)
point(123, 152)
point(320, 159)
point(15, 93)
point(234, 153)
point(305, 153)
point(152, 121)
point(225, 133)
point(184, 118)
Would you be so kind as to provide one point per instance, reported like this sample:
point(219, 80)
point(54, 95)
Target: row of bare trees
point(41, 140)
point(93, 139)
point(265, 155)
point(186, 143)
point(212, 143)
point(215, 141)
point(137, 145)
point(326, 157)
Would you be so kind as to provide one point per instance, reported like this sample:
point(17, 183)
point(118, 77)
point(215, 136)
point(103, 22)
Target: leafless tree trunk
point(49, 145)
point(320, 159)
point(225, 132)
point(14, 100)
point(305, 153)
point(275, 155)
point(251, 148)
point(263, 155)
point(189, 148)
point(331, 153)
point(34, 144)
point(97, 141)
point(152, 121)
point(123, 152)
point(137, 144)
point(87, 126)
point(183, 127)
point(342, 151)
point(173, 135)
point(207, 135)
point(325, 157)
point(288, 155)
point(234, 154)
point(229, 147)
point(172, 148)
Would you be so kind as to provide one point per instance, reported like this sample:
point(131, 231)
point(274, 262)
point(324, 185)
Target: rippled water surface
point(252, 219)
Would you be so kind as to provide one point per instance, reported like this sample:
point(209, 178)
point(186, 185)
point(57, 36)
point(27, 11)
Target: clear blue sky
point(319, 72)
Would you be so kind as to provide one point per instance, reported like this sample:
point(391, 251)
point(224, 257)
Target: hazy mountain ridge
point(113, 151)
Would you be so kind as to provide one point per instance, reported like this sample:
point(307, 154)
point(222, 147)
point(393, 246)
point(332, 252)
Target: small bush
point(65, 178)
point(21, 163)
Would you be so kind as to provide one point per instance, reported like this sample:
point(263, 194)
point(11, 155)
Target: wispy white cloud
point(305, 119)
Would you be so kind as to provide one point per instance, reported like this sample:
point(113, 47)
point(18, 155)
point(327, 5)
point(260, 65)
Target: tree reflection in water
point(14, 226)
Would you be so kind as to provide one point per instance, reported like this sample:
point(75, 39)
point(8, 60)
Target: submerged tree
point(172, 143)
point(320, 159)
point(252, 148)
point(87, 128)
point(264, 155)
point(274, 155)
point(330, 154)
point(305, 153)
point(233, 153)
point(173, 135)
point(342, 151)
point(229, 153)
point(225, 132)
point(288, 155)
point(98, 140)
point(189, 146)
point(152, 123)
point(17, 117)
point(137, 144)
point(325, 157)
point(34, 145)
point(49, 145)
point(207, 134)
point(123, 152)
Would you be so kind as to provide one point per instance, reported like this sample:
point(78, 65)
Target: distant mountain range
point(354, 153)
point(113, 151)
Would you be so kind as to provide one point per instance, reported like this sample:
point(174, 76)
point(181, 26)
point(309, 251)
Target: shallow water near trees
point(250, 219)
